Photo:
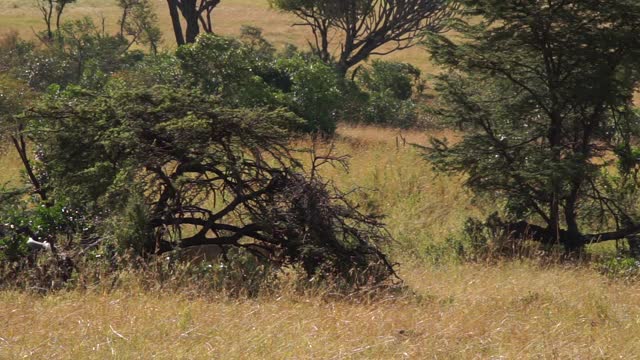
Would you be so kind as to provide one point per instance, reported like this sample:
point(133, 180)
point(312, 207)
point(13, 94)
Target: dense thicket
point(128, 153)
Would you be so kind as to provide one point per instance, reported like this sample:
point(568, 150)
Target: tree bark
point(175, 21)
point(192, 17)
point(634, 246)
point(21, 147)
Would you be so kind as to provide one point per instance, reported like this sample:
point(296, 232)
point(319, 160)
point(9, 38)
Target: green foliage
point(139, 23)
point(14, 97)
point(93, 55)
point(81, 54)
point(159, 69)
point(12, 217)
point(166, 167)
point(383, 109)
point(394, 78)
point(541, 110)
point(620, 268)
point(131, 228)
point(224, 67)
point(19, 220)
point(383, 95)
point(314, 94)
point(248, 74)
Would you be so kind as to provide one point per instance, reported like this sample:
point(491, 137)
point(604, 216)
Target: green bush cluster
point(104, 125)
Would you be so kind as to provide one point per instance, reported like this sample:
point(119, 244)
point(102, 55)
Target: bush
point(154, 159)
point(388, 89)
point(225, 67)
point(395, 78)
point(385, 110)
point(250, 74)
point(313, 94)
point(81, 54)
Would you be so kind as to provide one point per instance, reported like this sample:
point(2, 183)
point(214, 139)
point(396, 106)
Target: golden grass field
point(513, 311)
point(509, 310)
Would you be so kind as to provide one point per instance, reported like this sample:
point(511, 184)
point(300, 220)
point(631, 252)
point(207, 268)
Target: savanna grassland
point(514, 309)
point(447, 310)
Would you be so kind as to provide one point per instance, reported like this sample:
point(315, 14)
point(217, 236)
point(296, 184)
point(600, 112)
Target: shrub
point(249, 74)
point(313, 94)
point(389, 89)
point(395, 78)
point(81, 54)
point(182, 170)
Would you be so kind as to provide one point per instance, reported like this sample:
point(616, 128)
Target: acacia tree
point(544, 90)
point(50, 7)
point(205, 174)
point(366, 27)
point(196, 13)
point(139, 23)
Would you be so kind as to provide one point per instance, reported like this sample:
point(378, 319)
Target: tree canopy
point(544, 92)
point(361, 28)
point(204, 174)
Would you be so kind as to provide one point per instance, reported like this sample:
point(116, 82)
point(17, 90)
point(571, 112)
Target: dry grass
point(513, 311)
point(10, 166)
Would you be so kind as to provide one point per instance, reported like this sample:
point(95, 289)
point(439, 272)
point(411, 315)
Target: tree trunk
point(192, 17)
point(21, 147)
point(175, 21)
point(342, 69)
point(572, 239)
point(123, 20)
point(634, 246)
point(59, 15)
point(47, 19)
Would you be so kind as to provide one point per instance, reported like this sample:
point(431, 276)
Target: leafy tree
point(48, 8)
point(201, 173)
point(544, 92)
point(139, 23)
point(195, 13)
point(366, 27)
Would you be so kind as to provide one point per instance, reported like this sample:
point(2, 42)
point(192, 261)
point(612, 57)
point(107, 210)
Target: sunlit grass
point(512, 311)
